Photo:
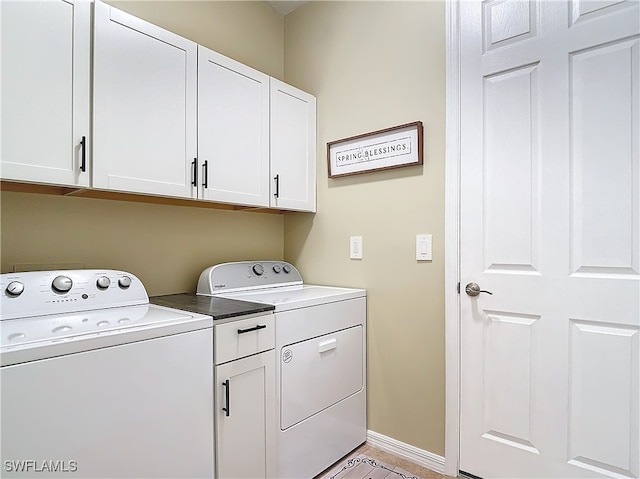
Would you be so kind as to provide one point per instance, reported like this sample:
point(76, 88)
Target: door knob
point(473, 289)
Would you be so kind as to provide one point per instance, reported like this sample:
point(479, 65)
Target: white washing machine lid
point(286, 298)
point(40, 337)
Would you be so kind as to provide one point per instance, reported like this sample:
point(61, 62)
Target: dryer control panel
point(247, 275)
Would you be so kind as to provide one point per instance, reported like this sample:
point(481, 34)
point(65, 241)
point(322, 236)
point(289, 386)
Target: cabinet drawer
point(243, 337)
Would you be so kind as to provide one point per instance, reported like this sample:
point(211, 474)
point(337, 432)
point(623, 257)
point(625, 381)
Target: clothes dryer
point(321, 360)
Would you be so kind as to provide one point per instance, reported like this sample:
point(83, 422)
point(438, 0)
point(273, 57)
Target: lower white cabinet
point(244, 402)
point(245, 398)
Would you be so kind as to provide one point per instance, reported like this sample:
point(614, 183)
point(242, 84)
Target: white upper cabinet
point(144, 110)
point(293, 148)
point(45, 91)
point(233, 131)
point(170, 117)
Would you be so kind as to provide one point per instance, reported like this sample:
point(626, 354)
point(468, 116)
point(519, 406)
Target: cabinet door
point(245, 432)
point(144, 117)
point(45, 91)
point(293, 148)
point(233, 130)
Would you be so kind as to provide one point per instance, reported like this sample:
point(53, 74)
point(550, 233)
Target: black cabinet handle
point(83, 145)
point(226, 397)
point(277, 180)
point(194, 164)
point(205, 173)
point(255, 328)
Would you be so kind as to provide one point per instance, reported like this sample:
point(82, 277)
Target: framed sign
point(379, 150)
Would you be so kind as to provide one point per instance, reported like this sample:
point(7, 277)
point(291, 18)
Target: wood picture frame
point(379, 150)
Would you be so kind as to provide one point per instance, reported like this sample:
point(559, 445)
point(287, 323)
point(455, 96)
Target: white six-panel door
point(550, 217)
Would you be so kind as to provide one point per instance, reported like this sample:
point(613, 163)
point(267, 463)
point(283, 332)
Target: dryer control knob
point(286, 268)
point(15, 288)
point(62, 284)
point(258, 269)
point(103, 282)
point(277, 268)
point(124, 282)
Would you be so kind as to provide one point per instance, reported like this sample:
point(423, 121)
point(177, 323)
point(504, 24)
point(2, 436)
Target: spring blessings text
point(379, 151)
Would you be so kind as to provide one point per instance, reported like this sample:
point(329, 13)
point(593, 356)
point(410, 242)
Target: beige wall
point(374, 65)
point(166, 246)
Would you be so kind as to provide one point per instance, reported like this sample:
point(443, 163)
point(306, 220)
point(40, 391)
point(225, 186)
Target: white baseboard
point(419, 456)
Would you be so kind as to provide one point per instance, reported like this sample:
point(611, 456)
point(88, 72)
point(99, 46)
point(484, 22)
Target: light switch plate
point(355, 247)
point(423, 247)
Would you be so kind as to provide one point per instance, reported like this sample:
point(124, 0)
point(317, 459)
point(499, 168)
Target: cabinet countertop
point(218, 308)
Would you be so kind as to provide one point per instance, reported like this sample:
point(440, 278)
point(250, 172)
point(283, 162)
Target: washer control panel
point(37, 293)
point(243, 275)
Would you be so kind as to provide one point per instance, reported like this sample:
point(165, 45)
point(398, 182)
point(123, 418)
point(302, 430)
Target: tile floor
point(362, 471)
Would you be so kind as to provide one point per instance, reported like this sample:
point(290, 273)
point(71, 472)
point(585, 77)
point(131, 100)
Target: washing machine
point(95, 382)
point(320, 348)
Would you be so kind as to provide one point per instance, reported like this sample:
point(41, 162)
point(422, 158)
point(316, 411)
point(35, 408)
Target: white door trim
point(452, 240)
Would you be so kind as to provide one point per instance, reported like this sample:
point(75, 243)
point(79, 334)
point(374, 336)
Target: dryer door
point(319, 372)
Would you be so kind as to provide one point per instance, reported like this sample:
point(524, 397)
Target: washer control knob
point(62, 284)
point(124, 282)
point(277, 268)
point(15, 288)
point(258, 269)
point(286, 268)
point(103, 282)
